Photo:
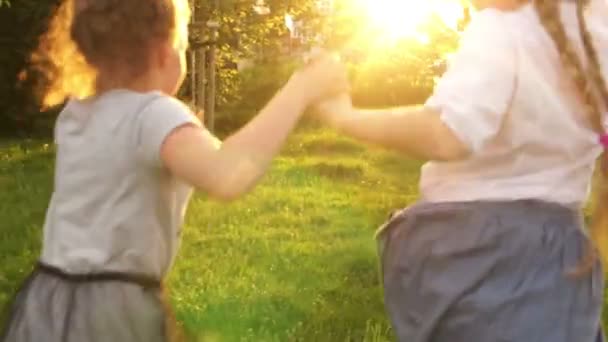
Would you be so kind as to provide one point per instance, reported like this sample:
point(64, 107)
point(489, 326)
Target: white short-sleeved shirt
point(114, 206)
point(507, 96)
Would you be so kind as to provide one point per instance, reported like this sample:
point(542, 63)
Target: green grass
point(293, 261)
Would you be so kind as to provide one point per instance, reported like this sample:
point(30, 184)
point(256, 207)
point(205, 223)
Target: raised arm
point(465, 111)
point(418, 132)
point(230, 169)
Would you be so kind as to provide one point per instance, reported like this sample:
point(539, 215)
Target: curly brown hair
point(95, 42)
point(592, 87)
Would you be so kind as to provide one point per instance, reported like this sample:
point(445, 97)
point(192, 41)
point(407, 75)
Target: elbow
point(226, 193)
point(229, 187)
point(216, 188)
point(446, 152)
point(225, 197)
point(230, 182)
point(447, 146)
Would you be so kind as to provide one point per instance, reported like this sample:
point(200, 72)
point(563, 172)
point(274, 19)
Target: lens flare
point(404, 18)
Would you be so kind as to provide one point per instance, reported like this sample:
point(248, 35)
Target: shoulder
point(156, 104)
point(158, 100)
point(159, 116)
point(131, 101)
point(490, 26)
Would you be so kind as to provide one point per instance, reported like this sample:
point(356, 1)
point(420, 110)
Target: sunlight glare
point(403, 18)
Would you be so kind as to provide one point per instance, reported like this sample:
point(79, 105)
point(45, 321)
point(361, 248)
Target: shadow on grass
point(329, 147)
point(323, 143)
point(339, 170)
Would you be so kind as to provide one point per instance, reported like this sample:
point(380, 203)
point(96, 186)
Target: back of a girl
point(496, 249)
point(113, 204)
point(129, 155)
point(533, 134)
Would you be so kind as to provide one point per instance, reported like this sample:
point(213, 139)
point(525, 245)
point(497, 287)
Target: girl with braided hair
point(496, 249)
point(128, 156)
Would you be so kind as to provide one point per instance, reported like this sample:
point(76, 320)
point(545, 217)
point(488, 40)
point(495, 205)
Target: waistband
point(524, 206)
point(132, 278)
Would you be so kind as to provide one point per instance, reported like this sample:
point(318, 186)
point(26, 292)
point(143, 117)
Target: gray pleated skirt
point(56, 307)
point(489, 272)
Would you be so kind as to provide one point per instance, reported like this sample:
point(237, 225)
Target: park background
point(295, 260)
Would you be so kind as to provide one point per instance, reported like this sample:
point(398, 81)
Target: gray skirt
point(53, 306)
point(489, 272)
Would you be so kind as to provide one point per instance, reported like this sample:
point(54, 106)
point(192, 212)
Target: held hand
point(335, 110)
point(323, 77)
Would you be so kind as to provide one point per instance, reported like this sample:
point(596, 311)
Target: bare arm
point(466, 110)
point(415, 131)
point(230, 169)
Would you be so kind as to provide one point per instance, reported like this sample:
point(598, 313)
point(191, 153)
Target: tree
point(398, 74)
point(244, 34)
point(21, 22)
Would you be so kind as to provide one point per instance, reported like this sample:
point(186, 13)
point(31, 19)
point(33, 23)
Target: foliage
point(244, 34)
point(397, 73)
point(21, 22)
point(389, 72)
point(256, 86)
point(400, 73)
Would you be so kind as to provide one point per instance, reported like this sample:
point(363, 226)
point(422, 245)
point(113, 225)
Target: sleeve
point(475, 93)
point(156, 121)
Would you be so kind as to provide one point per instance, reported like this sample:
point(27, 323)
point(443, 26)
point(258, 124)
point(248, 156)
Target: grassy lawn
point(293, 261)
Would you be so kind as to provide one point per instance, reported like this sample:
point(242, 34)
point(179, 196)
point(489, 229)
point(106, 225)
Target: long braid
point(595, 70)
point(549, 12)
point(588, 83)
point(599, 225)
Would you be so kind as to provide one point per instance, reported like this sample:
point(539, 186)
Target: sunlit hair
point(591, 85)
point(90, 42)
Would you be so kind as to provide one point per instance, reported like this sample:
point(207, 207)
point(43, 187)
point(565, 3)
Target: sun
point(404, 18)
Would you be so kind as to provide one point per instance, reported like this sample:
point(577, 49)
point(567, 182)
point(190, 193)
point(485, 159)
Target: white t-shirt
point(507, 96)
point(114, 206)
